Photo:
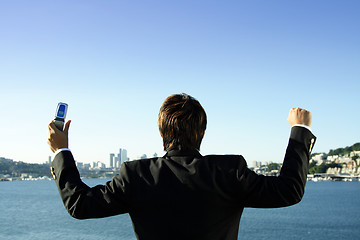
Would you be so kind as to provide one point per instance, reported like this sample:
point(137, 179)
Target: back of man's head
point(182, 122)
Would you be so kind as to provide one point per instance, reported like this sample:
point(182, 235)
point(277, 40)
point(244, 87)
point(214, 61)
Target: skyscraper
point(123, 155)
point(112, 160)
point(118, 163)
point(115, 162)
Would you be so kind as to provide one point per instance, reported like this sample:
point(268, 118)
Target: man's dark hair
point(182, 122)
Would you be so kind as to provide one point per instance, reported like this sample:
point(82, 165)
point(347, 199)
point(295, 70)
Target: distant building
point(98, 165)
point(256, 164)
point(112, 158)
point(355, 153)
point(122, 156)
point(115, 162)
point(319, 158)
point(93, 165)
point(101, 165)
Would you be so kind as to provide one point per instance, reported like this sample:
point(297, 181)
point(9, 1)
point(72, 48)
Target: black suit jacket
point(184, 195)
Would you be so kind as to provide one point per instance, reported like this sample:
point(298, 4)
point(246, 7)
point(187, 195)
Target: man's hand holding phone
point(58, 139)
point(57, 133)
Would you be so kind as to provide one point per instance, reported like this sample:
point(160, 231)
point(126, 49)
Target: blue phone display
point(61, 111)
point(60, 115)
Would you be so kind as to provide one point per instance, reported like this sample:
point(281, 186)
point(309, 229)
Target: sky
point(115, 62)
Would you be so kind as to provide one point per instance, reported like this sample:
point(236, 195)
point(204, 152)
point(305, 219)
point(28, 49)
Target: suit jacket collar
point(182, 152)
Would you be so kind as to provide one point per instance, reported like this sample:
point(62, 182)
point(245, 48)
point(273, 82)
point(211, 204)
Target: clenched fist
point(299, 116)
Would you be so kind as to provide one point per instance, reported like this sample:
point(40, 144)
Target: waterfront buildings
point(349, 163)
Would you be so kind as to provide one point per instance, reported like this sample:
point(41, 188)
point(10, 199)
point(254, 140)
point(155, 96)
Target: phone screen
point(61, 111)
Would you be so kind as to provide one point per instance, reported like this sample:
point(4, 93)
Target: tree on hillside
point(346, 150)
point(274, 166)
point(354, 159)
point(322, 168)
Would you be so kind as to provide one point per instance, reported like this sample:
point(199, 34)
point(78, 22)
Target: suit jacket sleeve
point(286, 189)
point(80, 200)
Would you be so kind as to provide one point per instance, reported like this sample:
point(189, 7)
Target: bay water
point(33, 210)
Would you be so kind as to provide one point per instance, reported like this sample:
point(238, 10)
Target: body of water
point(33, 210)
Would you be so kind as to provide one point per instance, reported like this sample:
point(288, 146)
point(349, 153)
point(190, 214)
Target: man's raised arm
point(288, 188)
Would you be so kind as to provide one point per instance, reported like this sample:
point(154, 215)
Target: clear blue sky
point(114, 62)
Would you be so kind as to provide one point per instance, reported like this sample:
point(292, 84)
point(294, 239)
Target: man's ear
point(161, 135)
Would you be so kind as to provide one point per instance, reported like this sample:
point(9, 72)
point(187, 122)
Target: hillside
point(15, 169)
point(344, 151)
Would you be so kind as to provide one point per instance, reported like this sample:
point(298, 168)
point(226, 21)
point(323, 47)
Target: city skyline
point(114, 161)
point(115, 63)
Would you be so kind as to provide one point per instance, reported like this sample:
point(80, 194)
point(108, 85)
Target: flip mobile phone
point(60, 115)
